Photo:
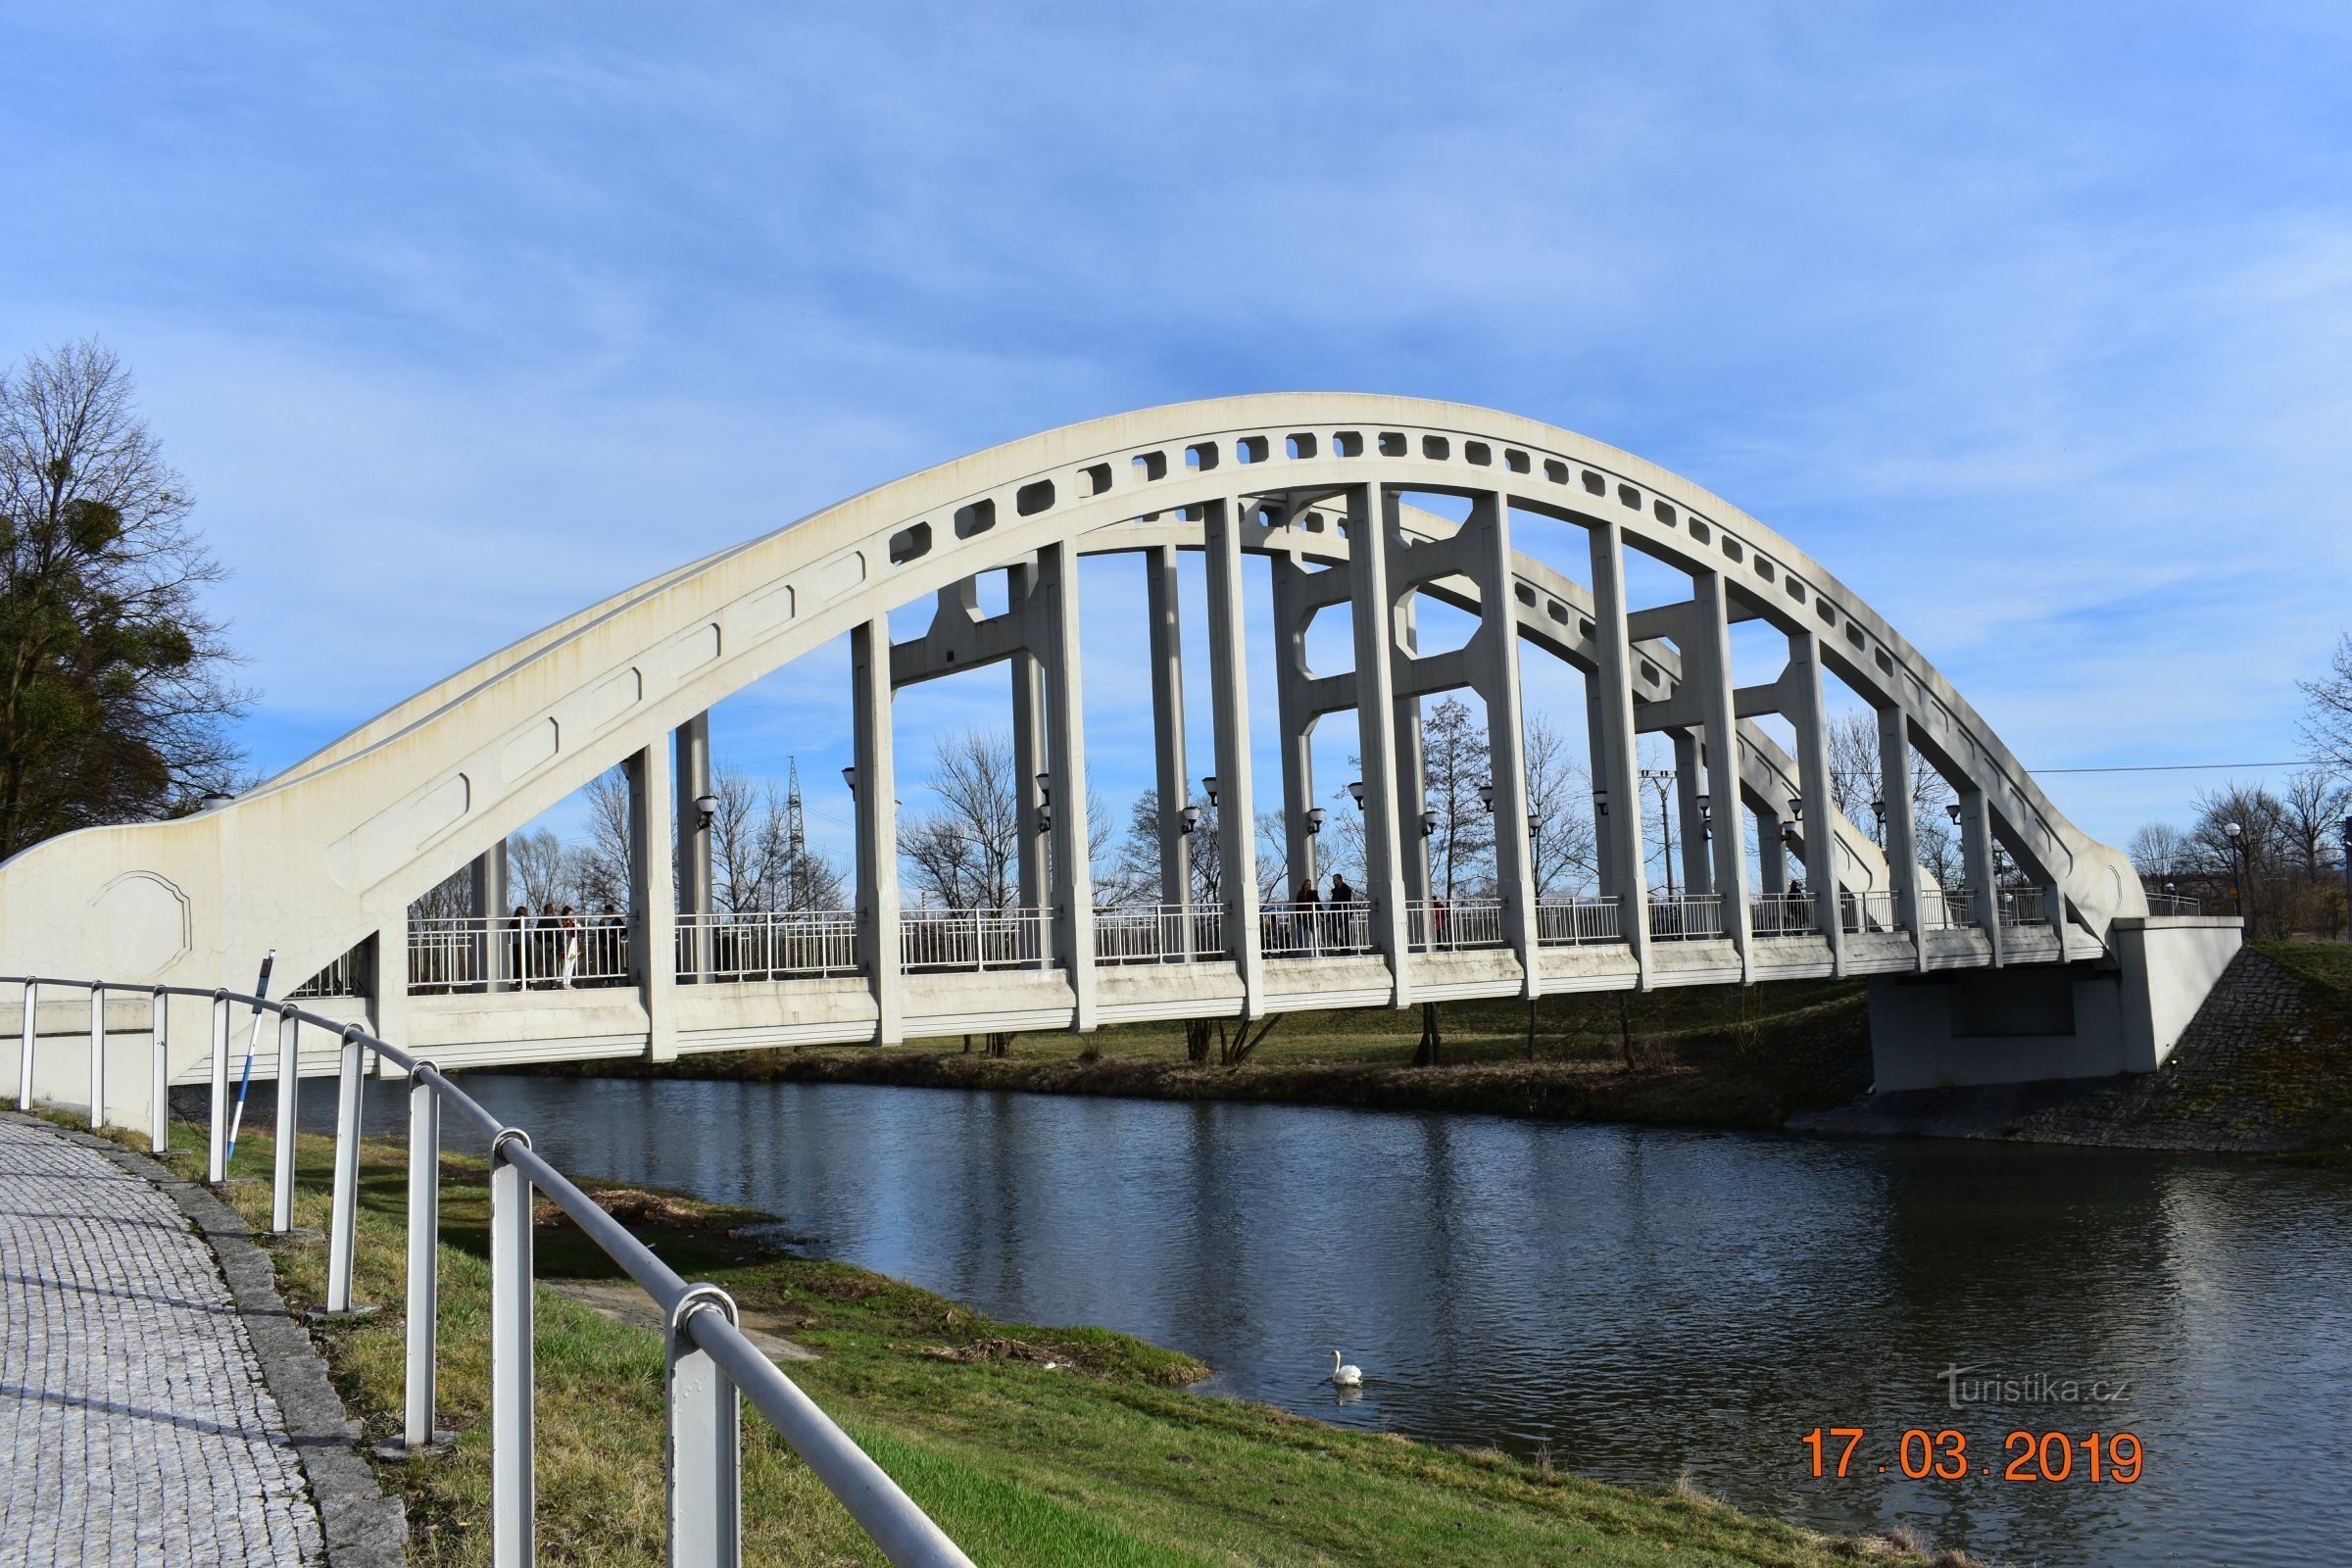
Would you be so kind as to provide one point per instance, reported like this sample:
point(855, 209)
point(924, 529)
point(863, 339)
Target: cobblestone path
point(134, 1423)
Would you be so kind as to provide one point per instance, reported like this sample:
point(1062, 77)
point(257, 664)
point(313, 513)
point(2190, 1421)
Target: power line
point(2169, 767)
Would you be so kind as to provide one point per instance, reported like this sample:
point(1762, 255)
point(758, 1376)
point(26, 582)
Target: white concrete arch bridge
point(2062, 970)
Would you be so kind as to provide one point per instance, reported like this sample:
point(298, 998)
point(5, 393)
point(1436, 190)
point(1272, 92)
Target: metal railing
point(516, 953)
point(347, 976)
point(1693, 917)
point(2173, 903)
point(970, 939)
point(1567, 922)
point(710, 1365)
point(1871, 912)
point(1953, 909)
point(768, 945)
point(1449, 926)
point(1316, 930)
point(1782, 914)
point(2023, 906)
point(1158, 933)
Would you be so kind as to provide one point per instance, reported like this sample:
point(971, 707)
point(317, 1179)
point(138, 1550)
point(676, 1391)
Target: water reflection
point(1647, 1304)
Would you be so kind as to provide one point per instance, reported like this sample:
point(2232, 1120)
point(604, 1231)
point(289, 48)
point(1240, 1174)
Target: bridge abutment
point(2023, 1023)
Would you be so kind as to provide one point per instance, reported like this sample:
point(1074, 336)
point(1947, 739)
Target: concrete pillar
point(1167, 726)
point(388, 982)
point(1296, 728)
point(876, 761)
point(1029, 752)
point(1901, 827)
point(1707, 660)
point(1813, 783)
point(1371, 524)
point(1237, 803)
point(1506, 735)
point(693, 775)
point(1412, 773)
point(653, 902)
point(1772, 852)
point(1597, 756)
point(1975, 853)
point(1613, 686)
point(1066, 749)
point(489, 878)
point(1691, 825)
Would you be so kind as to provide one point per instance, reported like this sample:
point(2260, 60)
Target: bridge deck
point(135, 1419)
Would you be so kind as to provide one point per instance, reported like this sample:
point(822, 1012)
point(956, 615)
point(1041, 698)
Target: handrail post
point(512, 1484)
point(424, 1262)
point(97, 1055)
point(290, 1108)
point(33, 1005)
point(158, 1040)
point(705, 1433)
point(342, 1239)
point(216, 1156)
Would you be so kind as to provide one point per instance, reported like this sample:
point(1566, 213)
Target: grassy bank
point(1104, 1460)
point(1712, 1055)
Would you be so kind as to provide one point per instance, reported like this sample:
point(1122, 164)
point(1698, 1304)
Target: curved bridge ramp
point(1351, 503)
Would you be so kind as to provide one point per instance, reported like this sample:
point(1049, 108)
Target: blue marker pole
point(261, 989)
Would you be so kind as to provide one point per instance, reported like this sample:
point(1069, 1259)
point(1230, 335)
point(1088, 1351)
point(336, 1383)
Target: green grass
point(1111, 1463)
point(2325, 963)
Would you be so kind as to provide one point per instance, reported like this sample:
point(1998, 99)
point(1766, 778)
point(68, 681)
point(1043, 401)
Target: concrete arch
point(330, 851)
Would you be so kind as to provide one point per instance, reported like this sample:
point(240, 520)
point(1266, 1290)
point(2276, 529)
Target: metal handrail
point(710, 1360)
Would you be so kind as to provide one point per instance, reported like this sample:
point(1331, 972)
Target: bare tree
point(2328, 712)
point(966, 853)
point(1456, 763)
point(450, 899)
point(2311, 814)
point(114, 704)
point(603, 862)
point(539, 870)
point(1559, 797)
point(2160, 852)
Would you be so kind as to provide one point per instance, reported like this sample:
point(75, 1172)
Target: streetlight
point(1486, 793)
point(2237, 862)
point(1356, 792)
point(1706, 819)
point(1314, 820)
point(1429, 821)
point(707, 807)
point(213, 800)
point(1208, 784)
point(1192, 818)
point(849, 776)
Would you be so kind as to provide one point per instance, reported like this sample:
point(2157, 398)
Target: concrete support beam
point(1611, 690)
point(1168, 725)
point(389, 981)
point(1065, 750)
point(1506, 735)
point(1976, 854)
point(693, 773)
point(1236, 801)
point(1371, 526)
point(1029, 752)
point(653, 896)
point(488, 876)
point(1691, 822)
point(1772, 853)
point(1707, 651)
point(1295, 718)
point(1412, 774)
point(1901, 827)
point(1597, 755)
point(1805, 716)
point(877, 826)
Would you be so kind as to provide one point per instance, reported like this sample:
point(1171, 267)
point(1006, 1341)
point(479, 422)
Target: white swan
point(1346, 1376)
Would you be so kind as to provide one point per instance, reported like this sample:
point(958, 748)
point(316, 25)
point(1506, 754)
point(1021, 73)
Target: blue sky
point(2032, 322)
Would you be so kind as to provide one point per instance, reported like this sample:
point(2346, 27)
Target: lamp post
point(2237, 862)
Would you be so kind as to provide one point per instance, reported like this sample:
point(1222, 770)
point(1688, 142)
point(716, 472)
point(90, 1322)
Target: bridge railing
point(1568, 923)
point(516, 953)
point(710, 1365)
point(768, 945)
point(1691, 917)
point(1316, 930)
point(1953, 909)
point(2173, 903)
point(1158, 933)
point(1870, 912)
point(970, 939)
point(1782, 914)
point(1448, 925)
point(2023, 906)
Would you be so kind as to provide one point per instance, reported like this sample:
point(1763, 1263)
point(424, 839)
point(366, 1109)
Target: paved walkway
point(135, 1424)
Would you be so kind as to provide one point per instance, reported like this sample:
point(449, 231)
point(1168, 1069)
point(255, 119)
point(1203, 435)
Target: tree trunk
point(1431, 1052)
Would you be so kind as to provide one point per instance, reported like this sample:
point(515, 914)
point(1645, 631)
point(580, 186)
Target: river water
point(1644, 1303)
